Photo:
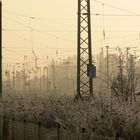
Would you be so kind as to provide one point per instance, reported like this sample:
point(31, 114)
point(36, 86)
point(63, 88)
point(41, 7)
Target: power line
point(15, 13)
point(25, 39)
point(61, 38)
point(114, 15)
point(48, 34)
point(12, 30)
point(104, 32)
point(45, 30)
point(114, 7)
point(96, 14)
point(113, 38)
point(36, 18)
point(43, 18)
point(23, 48)
point(17, 22)
point(45, 45)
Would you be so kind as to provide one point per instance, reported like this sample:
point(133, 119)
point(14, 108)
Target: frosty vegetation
point(100, 115)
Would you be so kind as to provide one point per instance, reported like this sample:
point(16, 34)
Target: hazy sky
point(52, 31)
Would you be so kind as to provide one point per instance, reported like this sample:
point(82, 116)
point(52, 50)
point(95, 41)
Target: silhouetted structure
point(85, 68)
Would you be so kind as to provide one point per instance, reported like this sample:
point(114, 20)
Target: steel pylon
point(86, 71)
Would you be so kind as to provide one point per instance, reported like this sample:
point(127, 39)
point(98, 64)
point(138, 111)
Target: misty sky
point(49, 27)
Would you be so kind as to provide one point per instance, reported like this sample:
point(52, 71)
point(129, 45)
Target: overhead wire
point(129, 14)
point(115, 15)
point(45, 45)
point(50, 50)
point(104, 4)
point(104, 33)
point(61, 38)
point(114, 7)
point(20, 23)
point(25, 39)
point(45, 30)
point(15, 13)
point(37, 18)
point(48, 53)
point(48, 34)
point(31, 29)
point(31, 35)
point(16, 30)
point(113, 38)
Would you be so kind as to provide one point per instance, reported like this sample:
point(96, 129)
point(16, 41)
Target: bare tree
point(124, 82)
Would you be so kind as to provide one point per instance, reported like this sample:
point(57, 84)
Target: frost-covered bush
point(98, 116)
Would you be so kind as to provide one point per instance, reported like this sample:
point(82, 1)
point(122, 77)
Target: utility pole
point(0, 49)
point(40, 76)
point(45, 79)
point(53, 67)
point(36, 72)
point(14, 79)
point(66, 64)
point(85, 68)
point(101, 64)
point(24, 76)
point(107, 69)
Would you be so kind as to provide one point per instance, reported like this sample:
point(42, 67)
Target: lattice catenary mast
point(86, 71)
